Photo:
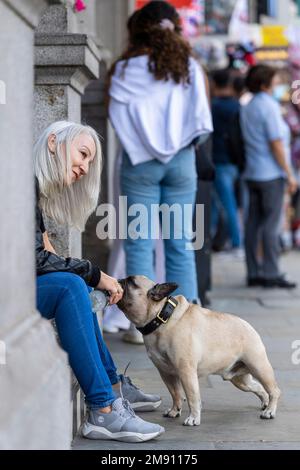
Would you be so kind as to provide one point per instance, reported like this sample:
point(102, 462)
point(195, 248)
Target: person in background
point(267, 146)
point(244, 96)
point(225, 109)
point(158, 107)
point(240, 90)
point(292, 118)
point(239, 86)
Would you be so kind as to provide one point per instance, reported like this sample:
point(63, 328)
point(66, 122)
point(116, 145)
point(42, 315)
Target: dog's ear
point(160, 291)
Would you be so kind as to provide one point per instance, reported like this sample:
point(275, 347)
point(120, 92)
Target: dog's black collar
point(161, 318)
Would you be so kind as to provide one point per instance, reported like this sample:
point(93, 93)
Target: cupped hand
point(112, 286)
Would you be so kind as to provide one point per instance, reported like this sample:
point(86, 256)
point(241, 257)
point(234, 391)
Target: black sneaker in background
point(255, 282)
point(279, 282)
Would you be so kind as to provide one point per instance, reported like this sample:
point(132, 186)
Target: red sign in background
point(175, 3)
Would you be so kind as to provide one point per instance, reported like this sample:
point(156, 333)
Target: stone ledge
point(67, 39)
point(66, 59)
point(35, 386)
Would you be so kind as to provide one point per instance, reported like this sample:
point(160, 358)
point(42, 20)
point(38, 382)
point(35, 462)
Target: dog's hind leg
point(262, 370)
point(247, 383)
point(174, 386)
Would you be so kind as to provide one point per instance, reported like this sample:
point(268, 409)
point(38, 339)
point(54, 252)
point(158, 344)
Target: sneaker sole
point(145, 406)
point(132, 340)
point(89, 431)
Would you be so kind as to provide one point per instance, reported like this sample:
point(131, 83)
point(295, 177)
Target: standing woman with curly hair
point(158, 107)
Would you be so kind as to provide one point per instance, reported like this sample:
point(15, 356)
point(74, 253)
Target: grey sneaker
point(139, 400)
point(133, 335)
point(121, 424)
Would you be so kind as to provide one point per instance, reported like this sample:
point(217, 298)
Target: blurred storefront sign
point(280, 55)
point(274, 46)
point(274, 36)
point(175, 3)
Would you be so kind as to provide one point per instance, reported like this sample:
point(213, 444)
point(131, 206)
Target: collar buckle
point(162, 319)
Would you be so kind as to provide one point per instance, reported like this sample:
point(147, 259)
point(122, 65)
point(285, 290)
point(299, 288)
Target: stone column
point(65, 62)
point(34, 376)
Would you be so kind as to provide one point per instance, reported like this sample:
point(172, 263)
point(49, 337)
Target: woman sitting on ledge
point(68, 168)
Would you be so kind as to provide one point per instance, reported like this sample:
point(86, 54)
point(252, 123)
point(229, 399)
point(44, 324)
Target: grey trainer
point(139, 400)
point(121, 424)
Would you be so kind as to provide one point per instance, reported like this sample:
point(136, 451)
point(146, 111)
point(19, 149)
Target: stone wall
point(34, 377)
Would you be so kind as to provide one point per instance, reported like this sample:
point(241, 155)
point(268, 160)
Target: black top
point(48, 262)
point(223, 110)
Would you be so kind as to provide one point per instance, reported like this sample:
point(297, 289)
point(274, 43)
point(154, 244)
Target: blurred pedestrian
point(225, 111)
point(267, 145)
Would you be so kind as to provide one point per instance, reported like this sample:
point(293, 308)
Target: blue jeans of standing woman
point(157, 183)
point(226, 176)
point(65, 298)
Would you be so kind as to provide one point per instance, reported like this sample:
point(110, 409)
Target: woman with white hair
point(67, 159)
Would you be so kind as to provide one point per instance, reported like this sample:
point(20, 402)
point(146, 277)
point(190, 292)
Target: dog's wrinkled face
point(142, 298)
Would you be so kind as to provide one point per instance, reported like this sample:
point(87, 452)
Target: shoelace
point(127, 410)
point(127, 379)
point(128, 407)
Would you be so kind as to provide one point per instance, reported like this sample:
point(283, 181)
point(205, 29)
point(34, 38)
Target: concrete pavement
point(230, 418)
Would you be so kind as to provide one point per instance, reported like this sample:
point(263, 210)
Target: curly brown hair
point(168, 51)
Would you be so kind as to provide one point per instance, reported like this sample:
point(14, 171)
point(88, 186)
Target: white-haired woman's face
point(82, 153)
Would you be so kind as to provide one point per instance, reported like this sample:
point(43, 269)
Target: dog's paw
point(192, 421)
point(172, 413)
point(264, 406)
point(264, 398)
point(268, 414)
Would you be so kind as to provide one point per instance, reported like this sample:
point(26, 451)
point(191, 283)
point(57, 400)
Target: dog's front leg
point(173, 385)
point(190, 383)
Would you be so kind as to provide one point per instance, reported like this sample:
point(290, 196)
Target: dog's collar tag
point(161, 318)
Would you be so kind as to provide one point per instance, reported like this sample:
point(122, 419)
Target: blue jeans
point(151, 183)
point(65, 298)
point(226, 176)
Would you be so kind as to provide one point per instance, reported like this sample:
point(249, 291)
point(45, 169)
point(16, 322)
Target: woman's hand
point(292, 184)
point(112, 286)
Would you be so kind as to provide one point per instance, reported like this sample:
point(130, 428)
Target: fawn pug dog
point(195, 342)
